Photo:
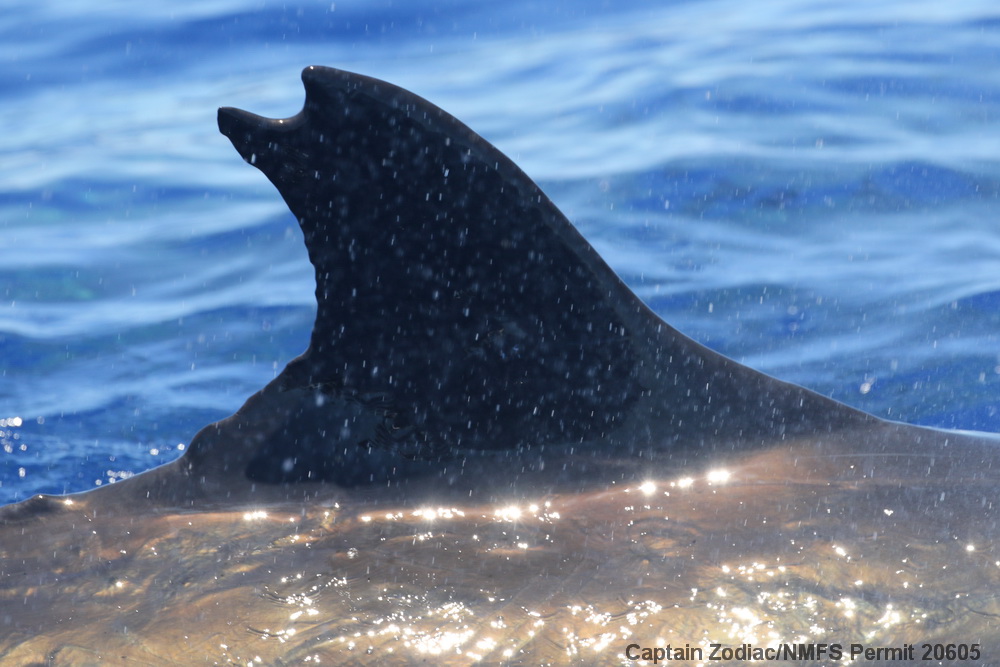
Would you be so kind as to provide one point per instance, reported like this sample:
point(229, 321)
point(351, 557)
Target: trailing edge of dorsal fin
point(451, 288)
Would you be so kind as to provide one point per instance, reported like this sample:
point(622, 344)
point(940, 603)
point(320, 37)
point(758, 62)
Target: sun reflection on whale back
point(726, 556)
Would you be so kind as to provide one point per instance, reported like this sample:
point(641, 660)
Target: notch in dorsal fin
point(449, 284)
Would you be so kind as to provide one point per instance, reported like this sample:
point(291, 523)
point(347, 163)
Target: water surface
point(807, 187)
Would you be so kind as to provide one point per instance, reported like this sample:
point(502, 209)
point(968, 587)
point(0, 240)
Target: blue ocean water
point(809, 187)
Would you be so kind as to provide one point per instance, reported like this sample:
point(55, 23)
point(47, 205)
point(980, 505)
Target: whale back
point(755, 513)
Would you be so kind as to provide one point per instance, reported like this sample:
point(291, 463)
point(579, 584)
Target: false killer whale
point(493, 451)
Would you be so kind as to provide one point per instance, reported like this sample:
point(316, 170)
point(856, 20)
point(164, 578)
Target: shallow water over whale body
point(773, 549)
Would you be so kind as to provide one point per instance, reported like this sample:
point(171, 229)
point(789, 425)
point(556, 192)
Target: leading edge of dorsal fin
point(455, 297)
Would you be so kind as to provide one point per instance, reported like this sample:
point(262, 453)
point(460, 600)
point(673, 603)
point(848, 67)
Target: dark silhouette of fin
point(454, 291)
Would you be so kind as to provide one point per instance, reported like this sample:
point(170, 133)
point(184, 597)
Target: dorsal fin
point(449, 286)
point(445, 278)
